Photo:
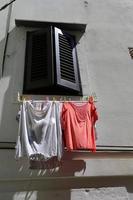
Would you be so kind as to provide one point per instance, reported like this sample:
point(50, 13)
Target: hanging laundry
point(40, 135)
point(78, 121)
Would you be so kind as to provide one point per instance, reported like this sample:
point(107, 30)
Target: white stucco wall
point(106, 69)
point(3, 19)
point(109, 34)
point(57, 11)
point(105, 65)
point(3, 22)
point(119, 193)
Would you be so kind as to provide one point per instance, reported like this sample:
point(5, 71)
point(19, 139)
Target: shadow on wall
point(88, 188)
point(51, 179)
point(37, 195)
point(42, 169)
point(50, 195)
point(52, 183)
point(67, 167)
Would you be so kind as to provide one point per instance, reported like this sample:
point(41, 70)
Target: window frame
point(78, 29)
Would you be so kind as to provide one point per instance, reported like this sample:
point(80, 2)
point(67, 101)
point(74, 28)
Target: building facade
point(104, 34)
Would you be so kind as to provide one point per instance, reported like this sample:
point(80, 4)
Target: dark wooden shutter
point(66, 61)
point(39, 60)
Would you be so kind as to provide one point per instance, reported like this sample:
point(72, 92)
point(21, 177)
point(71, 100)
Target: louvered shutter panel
point(39, 61)
point(66, 61)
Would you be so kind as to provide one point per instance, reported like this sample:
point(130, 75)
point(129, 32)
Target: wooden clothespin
point(60, 99)
point(81, 98)
point(54, 99)
point(47, 98)
point(18, 97)
point(65, 98)
point(86, 98)
point(69, 98)
point(23, 98)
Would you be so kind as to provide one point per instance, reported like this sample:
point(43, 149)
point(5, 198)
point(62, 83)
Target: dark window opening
point(51, 64)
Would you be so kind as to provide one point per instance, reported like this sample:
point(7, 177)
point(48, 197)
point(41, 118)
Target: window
point(51, 64)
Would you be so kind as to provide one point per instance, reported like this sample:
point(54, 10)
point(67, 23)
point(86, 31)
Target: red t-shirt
point(78, 122)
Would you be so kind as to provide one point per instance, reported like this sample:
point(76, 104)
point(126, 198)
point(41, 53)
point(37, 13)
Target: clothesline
point(84, 99)
point(46, 128)
point(40, 101)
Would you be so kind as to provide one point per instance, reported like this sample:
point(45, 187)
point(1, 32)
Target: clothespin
point(23, 98)
point(54, 99)
point(65, 98)
point(69, 98)
point(47, 98)
point(60, 99)
point(18, 97)
point(86, 98)
point(81, 98)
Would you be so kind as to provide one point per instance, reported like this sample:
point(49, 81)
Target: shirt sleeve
point(94, 114)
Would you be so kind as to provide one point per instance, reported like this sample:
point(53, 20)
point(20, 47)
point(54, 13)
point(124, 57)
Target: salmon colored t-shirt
point(78, 122)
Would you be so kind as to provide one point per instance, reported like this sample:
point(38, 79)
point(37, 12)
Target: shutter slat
point(67, 72)
point(68, 60)
point(63, 40)
point(67, 69)
point(64, 44)
point(64, 66)
point(66, 53)
point(68, 77)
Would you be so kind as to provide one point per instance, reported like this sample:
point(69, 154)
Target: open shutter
point(39, 60)
point(66, 61)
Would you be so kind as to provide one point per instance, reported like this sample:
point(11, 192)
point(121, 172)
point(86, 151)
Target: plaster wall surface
point(55, 11)
point(3, 22)
point(119, 193)
point(105, 64)
point(72, 166)
point(106, 69)
point(3, 19)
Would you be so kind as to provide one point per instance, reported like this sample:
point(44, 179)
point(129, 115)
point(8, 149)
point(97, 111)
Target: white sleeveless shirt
point(40, 135)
